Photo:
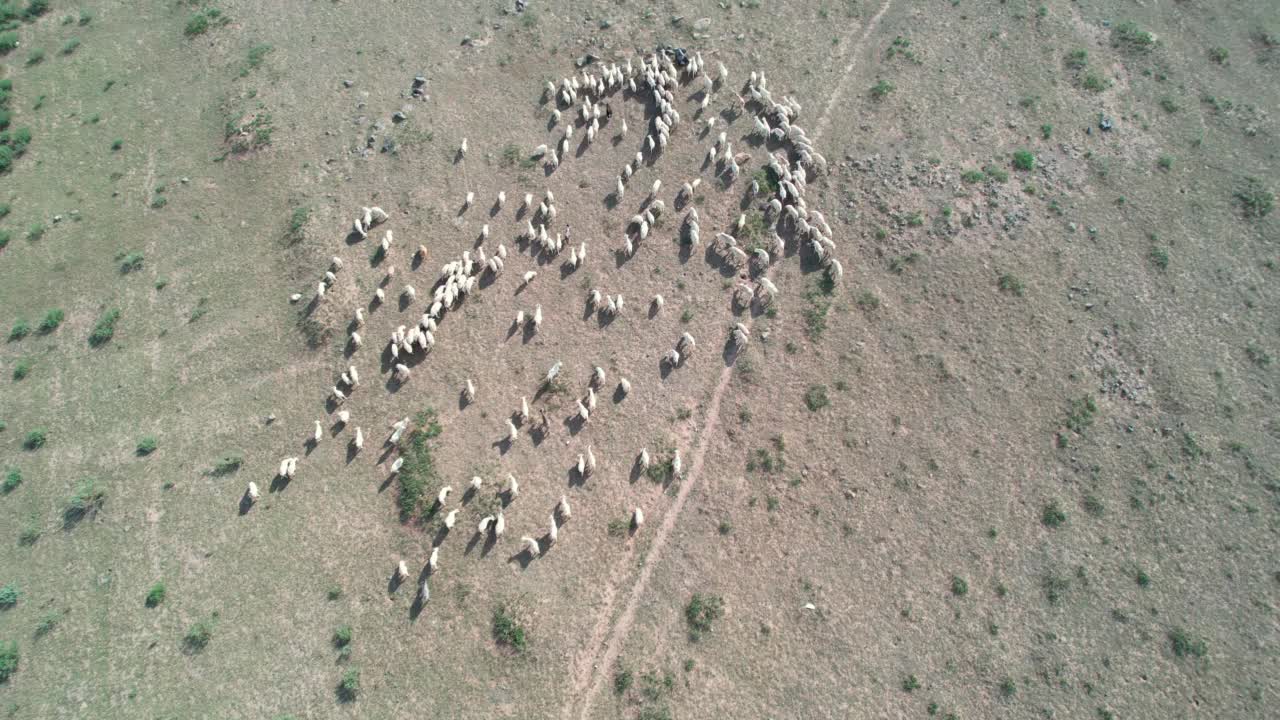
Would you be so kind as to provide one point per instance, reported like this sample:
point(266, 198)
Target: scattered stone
point(348, 83)
point(585, 60)
point(809, 606)
point(389, 146)
point(419, 81)
point(57, 218)
point(185, 180)
point(702, 24)
point(399, 117)
point(1105, 123)
point(270, 418)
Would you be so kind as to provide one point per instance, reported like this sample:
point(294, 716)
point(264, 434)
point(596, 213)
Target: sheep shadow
point(729, 353)
point(524, 558)
point(574, 424)
point(405, 301)
point(619, 394)
point(394, 582)
point(475, 540)
point(636, 471)
point(246, 503)
point(537, 435)
point(664, 368)
point(278, 484)
point(503, 446)
point(352, 452)
point(462, 400)
point(468, 495)
point(353, 237)
point(575, 478)
point(566, 269)
point(440, 535)
point(530, 331)
point(489, 543)
point(417, 607)
point(309, 446)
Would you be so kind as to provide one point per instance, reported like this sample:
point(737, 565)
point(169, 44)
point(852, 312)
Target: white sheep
point(470, 391)
point(597, 377)
point(591, 398)
point(320, 288)
point(740, 335)
point(637, 518)
point(462, 149)
point(433, 562)
point(554, 533)
point(395, 466)
point(531, 545)
point(338, 395)
point(402, 571)
point(524, 409)
point(529, 276)
point(513, 486)
point(295, 297)
point(443, 495)
point(344, 417)
point(424, 593)
point(537, 318)
point(471, 197)
point(319, 433)
point(658, 302)
point(583, 413)
point(451, 519)
point(499, 525)
point(485, 522)
point(476, 482)
point(379, 295)
point(672, 357)
point(675, 464)
point(402, 372)
point(358, 226)
point(591, 462)
point(252, 492)
point(376, 215)
point(582, 465)
point(359, 440)
point(563, 508)
point(410, 293)
point(355, 376)
point(519, 318)
point(554, 371)
point(624, 387)
point(513, 432)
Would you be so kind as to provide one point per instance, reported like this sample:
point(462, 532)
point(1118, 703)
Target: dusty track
point(590, 668)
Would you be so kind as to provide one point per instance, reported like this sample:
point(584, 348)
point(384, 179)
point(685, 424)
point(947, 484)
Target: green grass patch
point(701, 613)
point(508, 631)
point(418, 473)
point(815, 398)
point(146, 445)
point(155, 595)
point(35, 439)
point(23, 368)
point(1024, 160)
point(105, 328)
point(8, 660)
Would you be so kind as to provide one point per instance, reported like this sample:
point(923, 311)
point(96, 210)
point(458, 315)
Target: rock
point(606, 24)
point(809, 606)
point(57, 218)
point(389, 146)
point(399, 116)
point(348, 83)
point(702, 24)
point(1105, 123)
point(185, 180)
point(419, 81)
point(295, 297)
point(270, 418)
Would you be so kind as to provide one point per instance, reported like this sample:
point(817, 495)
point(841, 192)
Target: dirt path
point(591, 668)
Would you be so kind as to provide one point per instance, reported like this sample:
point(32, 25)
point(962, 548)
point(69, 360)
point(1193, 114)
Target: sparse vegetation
point(9, 595)
point(418, 473)
point(349, 685)
point(297, 223)
point(155, 595)
point(198, 636)
point(105, 328)
point(227, 464)
point(84, 503)
point(881, 90)
point(1184, 644)
point(1024, 160)
point(35, 439)
point(1010, 283)
point(507, 630)
point(131, 262)
point(910, 683)
point(1128, 36)
point(1255, 200)
point(1052, 515)
point(8, 660)
point(815, 398)
point(51, 321)
point(959, 586)
point(146, 445)
point(12, 479)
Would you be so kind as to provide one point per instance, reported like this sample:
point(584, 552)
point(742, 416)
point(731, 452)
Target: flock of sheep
point(653, 81)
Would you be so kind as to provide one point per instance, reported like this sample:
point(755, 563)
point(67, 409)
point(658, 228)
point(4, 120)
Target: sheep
point(597, 377)
point(513, 432)
point(295, 297)
point(554, 371)
point(252, 493)
point(319, 433)
point(483, 527)
point(409, 292)
point(563, 508)
point(395, 466)
point(466, 203)
point(531, 545)
point(583, 413)
point(344, 417)
point(424, 593)
point(329, 277)
point(451, 519)
point(359, 228)
point(293, 468)
point(643, 459)
point(529, 276)
point(524, 409)
point(338, 395)
point(554, 533)
point(433, 562)
point(359, 319)
point(355, 376)
point(462, 149)
point(499, 525)
point(320, 288)
point(686, 344)
point(637, 518)
point(502, 200)
point(591, 399)
point(476, 482)
point(835, 270)
point(740, 336)
point(359, 440)
point(623, 129)
point(624, 387)
point(513, 487)
point(528, 200)
point(402, 571)
point(537, 317)
point(385, 244)
point(672, 357)
point(443, 495)
point(658, 303)
point(402, 373)
point(675, 464)
point(377, 215)
point(469, 392)
point(379, 295)
point(582, 465)
point(591, 462)
point(657, 185)
point(484, 232)
point(519, 318)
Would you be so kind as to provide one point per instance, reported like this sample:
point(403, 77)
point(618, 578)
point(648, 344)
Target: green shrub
point(197, 25)
point(881, 90)
point(35, 57)
point(1024, 160)
point(701, 612)
point(349, 686)
point(8, 660)
point(9, 595)
point(146, 445)
point(1129, 36)
point(71, 46)
point(8, 42)
point(959, 587)
point(86, 17)
point(1159, 257)
point(622, 681)
point(35, 439)
point(1052, 515)
point(996, 173)
point(23, 368)
point(342, 636)
point(815, 398)
point(35, 9)
point(84, 502)
point(1093, 82)
point(1011, 284)
point(1254, 198)
point(21, 329)
point(298, 222)
point(35, 232)
point(117, 144)
point(910, 683)
point(227, 464)
point(1219, 55)
point(52, 320)
point(155, 595)
point(198, 636)
point(1187, 645)
point(105, 328)
point(12, 479)
point(507, 630)
point(254, 59)
point(131, 262)
point(418, 472)
point(1076, 59)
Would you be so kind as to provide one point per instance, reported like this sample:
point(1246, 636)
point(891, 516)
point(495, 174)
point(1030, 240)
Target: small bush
point(12, 479)
point(131, 262)
point(198, 636)
point(1093, 82)
point(1129, 36)
point(155, 595)
point(973, 176)
point(1255, 200)
point(105, 328)
point(998, 174)
point(881, 90)
point(35, 232)
point(1076, 59)
point(117, 144)
point(9, 595)
point(959, 587)
point(52, 320)
point(1165, 162)
point(254, 58)
point(1008, 688)
point(507, 631)
point(5, 236)
point(701, 612)
point(815, 398)
point(8, 42)
point(1159, 257)
point(35, 9)
point(35, 439)
point(146, 445)
point(47, 623)
point(297, 223)
point(71, 46)
point(23, 368)
point(1024, 160)
point(1011, 284)
point(349, 685)
point(197, 25)
point(1187, 645)
point(910, 684)
point(8, 660)
point(227, 464)
point(87, 499)
point(622, 681)
point(1052, 515)
point(342, 636)
point(1219, 55)
point(35, 57)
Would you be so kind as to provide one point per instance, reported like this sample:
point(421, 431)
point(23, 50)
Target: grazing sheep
point(624, 387)
point(329, 277)
point(344, 417)
point(379, 295)
point(462, 149)
point(554, 533)
point(451, 519)
point(443, 495)
point(583, 413)
point(529, 276)
point(528, 198)
point(740, 336)
point(513, 486)
point(376, 214)
point(591, 398)
point(402, 372)
point(582, 465)
point(499, 525)
point(395, 466)
point(358, 226)
point(675, 464)
point(338, 395)
point(410, 293)
point(519, 318)
point(672, 357)
point(643, 459)
point(658, 302)
point(355, 376)
point(320, 288)
point(476, 482)
point(402, 571)
point(471, 197)
point(591, 462)
point(359, 440)
point(537, 317)
point(483, 527)
point(319, 433)
point(433, 562)
point(470, 391)
point(295, 297)
point(554, 371)
point(424, 593)
point(637, 518)
point(513, 432)
point(359, 320)
point(597, 377)
point(524, 409)
point(502, 199)
point(686, 344)
point(252, 493)
point(563, 508)
point(531, 545)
